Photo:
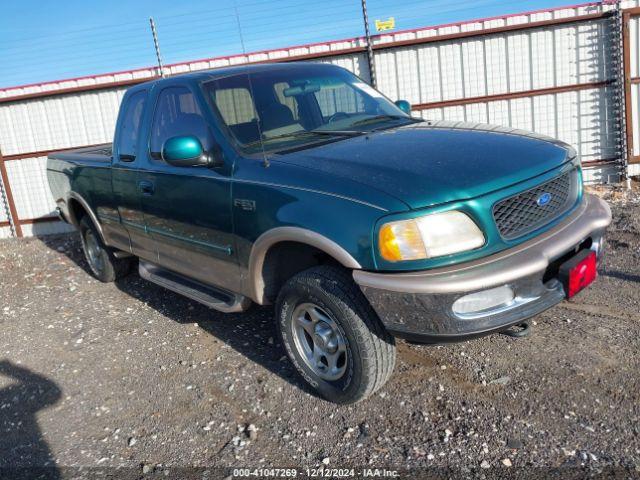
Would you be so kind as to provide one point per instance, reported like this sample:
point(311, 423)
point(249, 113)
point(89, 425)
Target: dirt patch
point(132, 375)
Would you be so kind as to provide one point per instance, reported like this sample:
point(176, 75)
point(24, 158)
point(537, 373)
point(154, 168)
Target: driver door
point(187, 210)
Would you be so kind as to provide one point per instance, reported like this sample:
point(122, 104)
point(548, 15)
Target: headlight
point(429, 236)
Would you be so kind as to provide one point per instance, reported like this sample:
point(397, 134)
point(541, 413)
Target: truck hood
point(430, 163)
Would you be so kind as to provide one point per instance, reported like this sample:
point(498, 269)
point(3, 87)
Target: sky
point(45, 40)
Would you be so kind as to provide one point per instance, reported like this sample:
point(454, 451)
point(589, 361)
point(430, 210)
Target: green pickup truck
point(301, 186)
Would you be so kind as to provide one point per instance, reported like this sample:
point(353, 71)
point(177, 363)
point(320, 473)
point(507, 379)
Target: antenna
point(235, 8)
point(265, 160)
point(157, 46)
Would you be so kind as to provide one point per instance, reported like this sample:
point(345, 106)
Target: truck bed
point(96, 153)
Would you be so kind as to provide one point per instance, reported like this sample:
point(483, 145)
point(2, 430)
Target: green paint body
point(199, 219)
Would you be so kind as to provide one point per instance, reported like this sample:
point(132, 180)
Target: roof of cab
point(226, 71)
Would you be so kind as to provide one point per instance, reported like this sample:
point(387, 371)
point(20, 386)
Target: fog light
point(485, 300)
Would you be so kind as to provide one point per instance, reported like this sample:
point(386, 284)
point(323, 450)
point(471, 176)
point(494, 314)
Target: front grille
point(518, 215)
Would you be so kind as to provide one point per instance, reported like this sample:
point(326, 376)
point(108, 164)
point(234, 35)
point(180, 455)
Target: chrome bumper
point(419, 303)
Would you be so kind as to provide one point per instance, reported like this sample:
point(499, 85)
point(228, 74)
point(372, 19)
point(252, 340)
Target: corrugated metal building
point(558, 72)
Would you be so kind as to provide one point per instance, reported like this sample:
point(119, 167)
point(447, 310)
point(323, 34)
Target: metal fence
point(558, 72)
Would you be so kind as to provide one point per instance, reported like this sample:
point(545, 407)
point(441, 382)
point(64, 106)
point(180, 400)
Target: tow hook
point(518, 331)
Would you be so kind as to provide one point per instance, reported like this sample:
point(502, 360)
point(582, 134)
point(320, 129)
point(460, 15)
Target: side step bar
point(212, 297)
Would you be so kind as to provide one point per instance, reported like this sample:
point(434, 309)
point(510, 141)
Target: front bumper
point(418, 305)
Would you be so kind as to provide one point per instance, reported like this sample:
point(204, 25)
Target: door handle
point(146, 187)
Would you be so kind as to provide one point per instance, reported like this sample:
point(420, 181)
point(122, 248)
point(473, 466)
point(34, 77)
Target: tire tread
point(378, 343)
point(115, 268)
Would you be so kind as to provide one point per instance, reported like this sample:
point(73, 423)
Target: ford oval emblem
point(543, 199)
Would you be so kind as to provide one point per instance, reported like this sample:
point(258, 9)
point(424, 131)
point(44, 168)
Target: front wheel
point(332, 335)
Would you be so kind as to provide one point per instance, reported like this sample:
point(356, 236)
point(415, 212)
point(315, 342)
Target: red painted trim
point(290, 58)
point(13, 213)
point(509, 96)
point(489, 31)
point(79, 88)
point(44, 153)
point(599, 162)
point(489, 19)
point(32, 221)
point(77, 79)
point(273, 50)
point(310, 45)
point(632, 11)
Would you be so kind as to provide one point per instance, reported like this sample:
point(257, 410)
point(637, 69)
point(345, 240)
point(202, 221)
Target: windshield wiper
point(377, 118)
point(303, 133)
point(341, 133)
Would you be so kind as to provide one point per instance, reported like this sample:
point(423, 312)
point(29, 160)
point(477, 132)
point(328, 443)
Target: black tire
point(370, 351)
point(102, 263)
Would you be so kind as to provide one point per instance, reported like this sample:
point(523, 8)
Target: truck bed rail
point(96, 153)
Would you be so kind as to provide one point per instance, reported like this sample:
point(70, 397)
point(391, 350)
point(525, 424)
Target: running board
point(212, 297)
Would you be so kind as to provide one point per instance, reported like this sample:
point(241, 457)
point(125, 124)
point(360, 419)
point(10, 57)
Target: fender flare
point(87, 208)
point(290, 234)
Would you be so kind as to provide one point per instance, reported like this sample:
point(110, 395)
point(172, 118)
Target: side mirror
point(404, 106)
point(187, 151)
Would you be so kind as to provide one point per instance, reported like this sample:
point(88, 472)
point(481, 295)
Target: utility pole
point(157, 45)
point(372, 69)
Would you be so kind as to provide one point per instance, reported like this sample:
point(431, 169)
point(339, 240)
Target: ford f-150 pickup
point(300, 185)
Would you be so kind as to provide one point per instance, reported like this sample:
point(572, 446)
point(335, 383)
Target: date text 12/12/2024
point(320, 472)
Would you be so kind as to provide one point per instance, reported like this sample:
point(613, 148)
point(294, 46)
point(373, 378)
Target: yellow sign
point(384, 25)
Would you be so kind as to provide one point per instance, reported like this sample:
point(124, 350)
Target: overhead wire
point(121, 46)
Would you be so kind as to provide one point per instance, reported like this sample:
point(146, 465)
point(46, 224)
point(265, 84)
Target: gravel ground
point(131, 375)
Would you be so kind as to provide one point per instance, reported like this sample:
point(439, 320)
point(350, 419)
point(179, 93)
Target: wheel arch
point(77, 205)
point(258, 279)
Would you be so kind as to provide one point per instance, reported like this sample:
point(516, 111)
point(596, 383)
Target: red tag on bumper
point(578, 272)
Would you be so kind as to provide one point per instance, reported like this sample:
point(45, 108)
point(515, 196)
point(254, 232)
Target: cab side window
point(130, 128)
point(177, 114)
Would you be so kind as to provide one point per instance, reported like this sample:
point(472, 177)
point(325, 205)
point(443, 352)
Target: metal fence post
point(154, 33)
point(372, 68)
point(622, 86)
point(5, 190)
point(625, 97)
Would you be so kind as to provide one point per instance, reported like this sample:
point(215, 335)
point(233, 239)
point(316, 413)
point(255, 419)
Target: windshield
point(298, 106)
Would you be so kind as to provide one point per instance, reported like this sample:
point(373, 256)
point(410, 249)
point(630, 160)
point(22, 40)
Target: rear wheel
point(333, 336)
point(103, 264)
